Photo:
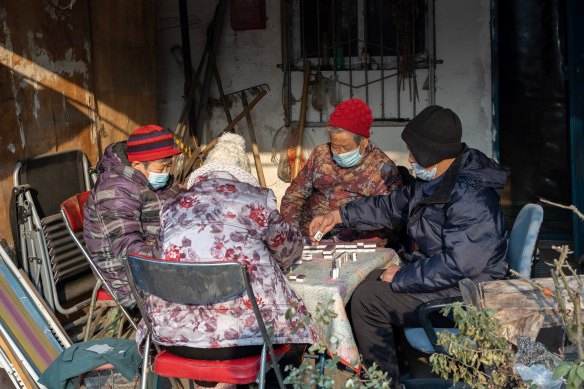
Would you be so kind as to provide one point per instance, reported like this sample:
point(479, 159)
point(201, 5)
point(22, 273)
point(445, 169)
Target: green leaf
point(580, 371)
point(572, 375)
point(562, 370)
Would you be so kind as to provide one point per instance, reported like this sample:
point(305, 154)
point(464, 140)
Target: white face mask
point(423, 174)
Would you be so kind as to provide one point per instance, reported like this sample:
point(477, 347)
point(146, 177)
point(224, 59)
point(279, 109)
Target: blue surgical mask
point(423, 174)
point(158, 180)
point(349, 159)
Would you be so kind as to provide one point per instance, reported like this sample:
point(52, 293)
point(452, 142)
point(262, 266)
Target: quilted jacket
point(122, 215)
point(455, 220)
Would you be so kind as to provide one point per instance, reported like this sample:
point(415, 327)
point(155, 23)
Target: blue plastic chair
point(520, 253)
point(523, 239)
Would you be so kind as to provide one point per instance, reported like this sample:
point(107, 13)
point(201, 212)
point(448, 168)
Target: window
point(341, 34)
point(384, 38)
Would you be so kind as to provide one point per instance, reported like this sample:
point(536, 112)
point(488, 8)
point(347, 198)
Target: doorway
point(532, 108)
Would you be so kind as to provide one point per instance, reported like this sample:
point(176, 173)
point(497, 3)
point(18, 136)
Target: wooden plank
point(516, 299)
point(45, 105)
point(518, 285)
point(526, 300)
point(124, 53)
point(52, 61)
point(528, 325)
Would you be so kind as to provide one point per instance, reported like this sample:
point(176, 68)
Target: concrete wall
point(248, 58)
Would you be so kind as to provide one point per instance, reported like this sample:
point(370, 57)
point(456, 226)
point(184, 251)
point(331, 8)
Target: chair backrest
point(53, 178)
point(188, 282)
point(523, 238)
point(72, 211)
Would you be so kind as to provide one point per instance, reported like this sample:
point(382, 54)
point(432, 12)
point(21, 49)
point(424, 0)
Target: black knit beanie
point(433, 135)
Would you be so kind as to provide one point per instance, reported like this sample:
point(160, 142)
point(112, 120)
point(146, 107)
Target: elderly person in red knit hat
point(347, 168)
point(122, 212)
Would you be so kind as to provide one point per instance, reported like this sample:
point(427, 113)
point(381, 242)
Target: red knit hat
point(150, 143)
point(352, 115)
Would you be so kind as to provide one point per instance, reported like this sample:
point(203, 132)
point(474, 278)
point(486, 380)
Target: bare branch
point(570, 207)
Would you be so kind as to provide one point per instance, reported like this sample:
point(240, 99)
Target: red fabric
point(150, 143)
point(102, 295)
point(233, 371)
point(73, 209)
point(352, 115)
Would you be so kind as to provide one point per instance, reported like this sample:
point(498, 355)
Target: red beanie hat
point(150, 143)
point(352, 115)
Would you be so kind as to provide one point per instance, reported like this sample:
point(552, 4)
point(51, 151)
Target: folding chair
point(520, 254)
point(46, 252)
point(200, 283)
point(102, 296)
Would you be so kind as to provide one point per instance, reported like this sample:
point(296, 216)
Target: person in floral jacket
point(226, 215)
point(348, 168)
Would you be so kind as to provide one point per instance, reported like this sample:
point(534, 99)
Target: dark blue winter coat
point(456, 221)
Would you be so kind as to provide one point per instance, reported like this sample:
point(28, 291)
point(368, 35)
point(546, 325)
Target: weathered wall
point(247, 58)
point(53, 62)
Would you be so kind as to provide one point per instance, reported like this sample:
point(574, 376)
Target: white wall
point(248, 58)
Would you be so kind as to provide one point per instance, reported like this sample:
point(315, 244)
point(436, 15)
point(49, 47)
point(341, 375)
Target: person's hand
point(324, 223)
point(389, 273)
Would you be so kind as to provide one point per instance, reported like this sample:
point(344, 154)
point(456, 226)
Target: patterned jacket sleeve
point(297, 194)
point(284, 242)
point(390, 179)
point(120, 219)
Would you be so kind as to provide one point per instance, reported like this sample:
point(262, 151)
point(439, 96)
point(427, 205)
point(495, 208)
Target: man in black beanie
point(451, 212)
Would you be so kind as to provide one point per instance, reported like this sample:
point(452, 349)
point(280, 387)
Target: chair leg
point(176, 383)
point(275, 366)
point(121, 326)
point(146, 356)
point(91, 310)
point(262, 380)
point(98, 314)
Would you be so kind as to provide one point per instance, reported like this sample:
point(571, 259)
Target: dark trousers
point(376, 312)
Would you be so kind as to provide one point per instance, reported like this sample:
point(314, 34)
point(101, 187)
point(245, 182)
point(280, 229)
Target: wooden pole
point(219, 85)
point(302, 119)
point(254, 146)
point(196, 155)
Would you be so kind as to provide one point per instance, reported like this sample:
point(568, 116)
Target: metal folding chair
point(200, 283)
point(45, 250)
point(102, 296)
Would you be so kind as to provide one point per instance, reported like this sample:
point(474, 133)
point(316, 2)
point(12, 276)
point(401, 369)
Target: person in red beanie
point(347, 168)
point(122, 212)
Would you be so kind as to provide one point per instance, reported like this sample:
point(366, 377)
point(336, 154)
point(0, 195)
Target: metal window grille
point(371, 49)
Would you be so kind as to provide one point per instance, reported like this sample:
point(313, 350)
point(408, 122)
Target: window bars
point(372, 49)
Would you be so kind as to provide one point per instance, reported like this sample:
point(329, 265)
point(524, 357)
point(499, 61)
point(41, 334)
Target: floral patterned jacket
point(223, 219)
point(322, 186)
